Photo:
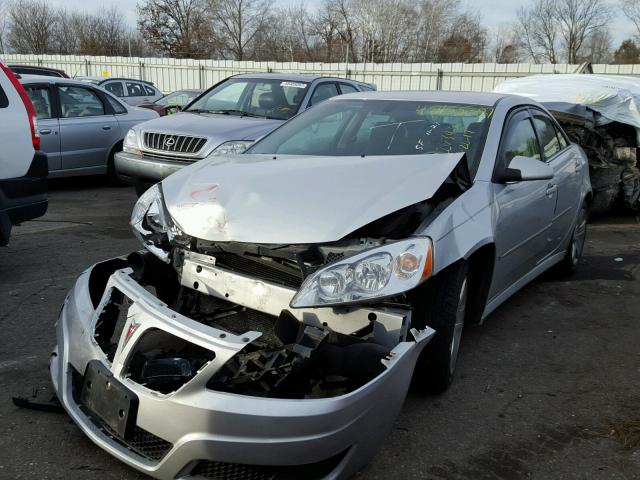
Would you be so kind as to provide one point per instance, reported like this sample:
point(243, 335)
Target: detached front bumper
point(196, 432)
point(147, 169)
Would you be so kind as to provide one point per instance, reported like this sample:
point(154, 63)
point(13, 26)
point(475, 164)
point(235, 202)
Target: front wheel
point(445, 313)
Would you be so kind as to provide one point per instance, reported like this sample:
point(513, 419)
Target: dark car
point(172, 102)
point(34, 70)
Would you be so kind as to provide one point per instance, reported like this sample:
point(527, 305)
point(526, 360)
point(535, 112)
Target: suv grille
point(167, 142)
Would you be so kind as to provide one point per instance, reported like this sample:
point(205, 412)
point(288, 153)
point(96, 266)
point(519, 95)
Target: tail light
point(31, 112)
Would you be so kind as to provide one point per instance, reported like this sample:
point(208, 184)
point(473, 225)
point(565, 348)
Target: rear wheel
point(446, 310)
point(570, 261)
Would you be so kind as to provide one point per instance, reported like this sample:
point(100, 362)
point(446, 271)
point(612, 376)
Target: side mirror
point(523, 169)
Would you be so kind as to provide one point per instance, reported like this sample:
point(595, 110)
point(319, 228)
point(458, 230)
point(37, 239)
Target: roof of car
point(291, 77)
point(49, 79)
point(472, 98)
point(106, 79)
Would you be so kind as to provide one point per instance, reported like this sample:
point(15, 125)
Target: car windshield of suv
point(347, 127)
point(254, 97)
point(178, 99)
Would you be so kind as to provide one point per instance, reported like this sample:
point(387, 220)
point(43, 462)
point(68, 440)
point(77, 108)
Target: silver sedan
point(271, 324)
point(81, 126)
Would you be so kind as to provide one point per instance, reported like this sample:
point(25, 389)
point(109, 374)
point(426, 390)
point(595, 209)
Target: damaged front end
point(197, 357)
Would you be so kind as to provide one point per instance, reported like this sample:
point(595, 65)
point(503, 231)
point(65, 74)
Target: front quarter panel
point(463, 227)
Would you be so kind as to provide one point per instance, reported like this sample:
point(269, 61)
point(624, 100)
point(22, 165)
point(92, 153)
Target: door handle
point(106, 127)
point(45, 131)
point(551, 189)
point(578, 165)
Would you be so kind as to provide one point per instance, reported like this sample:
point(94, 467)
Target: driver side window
point(519, 140)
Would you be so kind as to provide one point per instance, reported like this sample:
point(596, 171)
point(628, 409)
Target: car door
point(566, 164)
point(42, 97)
point(524, 210)
point(136, 93)
point(87, 128)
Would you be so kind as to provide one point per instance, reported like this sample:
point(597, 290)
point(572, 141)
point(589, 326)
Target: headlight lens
point(380, 272)
point(153, 226)
point(130, 144)
point(234, 147)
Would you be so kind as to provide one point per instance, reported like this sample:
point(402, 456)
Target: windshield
point(255, 97)
point(178, 99)
point(382, 127)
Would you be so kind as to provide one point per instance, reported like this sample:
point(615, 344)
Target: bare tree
point(506, 46)
point(32, 24)
point(540, 30)
point(578, 20)
point(179, 28)
point(238, 22)
point(631, 9)
point(597, 48)
point(4, 25)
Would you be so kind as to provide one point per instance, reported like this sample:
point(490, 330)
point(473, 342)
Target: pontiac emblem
point(133, 326)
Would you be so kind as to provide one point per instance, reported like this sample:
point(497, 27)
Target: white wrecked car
point(271, 325)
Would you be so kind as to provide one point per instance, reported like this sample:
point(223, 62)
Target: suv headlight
point(379, 272)
point(153, 226)
point(130, 144)
point(234, 147)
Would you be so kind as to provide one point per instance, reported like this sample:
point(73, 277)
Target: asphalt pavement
point(547, 388)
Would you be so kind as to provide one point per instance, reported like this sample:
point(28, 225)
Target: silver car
point(81, 126)
point(129, 90)
point(272, 322)
point(224, 120)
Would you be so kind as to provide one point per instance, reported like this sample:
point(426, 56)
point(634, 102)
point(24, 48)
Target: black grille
point(238, 471)
point(148, 445)
point(267, 270)
point(233, 471)
point(167, 142)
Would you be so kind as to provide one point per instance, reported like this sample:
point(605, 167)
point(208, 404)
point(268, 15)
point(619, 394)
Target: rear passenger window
point(346, 88)
point(41, 99)
point(79, 102)
point(4, 101)
point(134, 90)
point(115, 88)
point(116, 105)
point(547, 134)
point(149, 90)
point(323, 92)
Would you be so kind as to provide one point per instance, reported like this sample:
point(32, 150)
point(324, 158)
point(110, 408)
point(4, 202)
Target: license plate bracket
point(108, 399)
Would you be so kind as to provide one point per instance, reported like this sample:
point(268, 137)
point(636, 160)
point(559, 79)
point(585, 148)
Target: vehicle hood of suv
point(217, 128)
point(297, 199)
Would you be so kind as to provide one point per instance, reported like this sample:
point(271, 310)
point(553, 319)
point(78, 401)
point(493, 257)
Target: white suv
point(23, 168)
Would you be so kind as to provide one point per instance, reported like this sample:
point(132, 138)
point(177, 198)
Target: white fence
point(170, 74)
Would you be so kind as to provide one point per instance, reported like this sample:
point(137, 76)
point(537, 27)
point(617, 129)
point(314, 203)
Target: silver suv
point(224, 120)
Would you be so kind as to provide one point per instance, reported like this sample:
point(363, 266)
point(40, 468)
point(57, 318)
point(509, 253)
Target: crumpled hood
point(218, 128)
point(297, 199)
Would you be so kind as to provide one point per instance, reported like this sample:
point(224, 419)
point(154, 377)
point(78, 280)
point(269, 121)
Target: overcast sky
point(494, 12)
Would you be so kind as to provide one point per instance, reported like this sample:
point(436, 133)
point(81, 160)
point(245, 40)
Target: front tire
point(446, 310)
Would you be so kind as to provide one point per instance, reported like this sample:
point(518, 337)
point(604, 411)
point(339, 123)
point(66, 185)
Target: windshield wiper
point(242, 113)
point(197, 110)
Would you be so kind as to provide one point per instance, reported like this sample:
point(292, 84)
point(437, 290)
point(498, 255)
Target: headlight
point(234, 147)
point(380, 272)
point(130, 144)
point(153, 226)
